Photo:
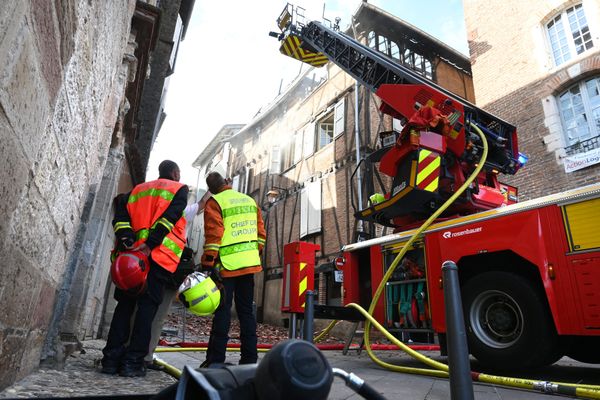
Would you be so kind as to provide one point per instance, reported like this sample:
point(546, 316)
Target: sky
point(228, 68)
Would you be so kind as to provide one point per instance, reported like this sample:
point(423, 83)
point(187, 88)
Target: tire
point(508, 322)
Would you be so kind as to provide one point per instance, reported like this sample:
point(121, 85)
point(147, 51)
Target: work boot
point(131, 371)
point(112, 370)
point(215, 365)
point(155, 367)
point(110, 367)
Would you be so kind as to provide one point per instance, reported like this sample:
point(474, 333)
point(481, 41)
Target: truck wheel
point(508, 323)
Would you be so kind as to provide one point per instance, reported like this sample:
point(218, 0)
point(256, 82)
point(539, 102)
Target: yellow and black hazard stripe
point(291, 47)
point(303, 285)
point(429, 171)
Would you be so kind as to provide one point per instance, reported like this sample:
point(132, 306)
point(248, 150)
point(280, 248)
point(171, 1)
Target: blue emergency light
point(523, 159)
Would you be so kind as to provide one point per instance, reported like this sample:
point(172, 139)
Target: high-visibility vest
point(146, 205)
point(239, 244)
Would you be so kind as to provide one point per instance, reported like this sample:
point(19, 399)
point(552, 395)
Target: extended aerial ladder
point(436, 149)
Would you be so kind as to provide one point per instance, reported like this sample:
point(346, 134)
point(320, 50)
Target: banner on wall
point(579, 161)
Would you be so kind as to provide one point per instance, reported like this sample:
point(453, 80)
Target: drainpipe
point(359, 226)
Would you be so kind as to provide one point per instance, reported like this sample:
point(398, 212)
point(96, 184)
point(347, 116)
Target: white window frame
point(561, 23)
point(310, 208)
point(588, 111)
point(320, 130)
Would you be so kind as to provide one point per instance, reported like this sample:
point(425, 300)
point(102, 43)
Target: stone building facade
point(302, 149)
point(537, 65)
point(75, 95)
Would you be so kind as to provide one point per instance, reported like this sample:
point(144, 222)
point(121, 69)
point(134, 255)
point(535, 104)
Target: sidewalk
point(81, 377)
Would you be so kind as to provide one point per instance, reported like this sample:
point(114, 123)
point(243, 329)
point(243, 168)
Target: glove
point(126, 241)
point(213, 274)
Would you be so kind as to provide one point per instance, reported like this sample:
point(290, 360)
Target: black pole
point(309, 312)
point(461, 384)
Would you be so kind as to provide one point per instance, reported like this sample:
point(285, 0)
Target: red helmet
point(129, 271)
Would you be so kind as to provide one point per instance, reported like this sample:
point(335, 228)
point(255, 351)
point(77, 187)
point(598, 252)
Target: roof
point(225, 133)
point(372, 17)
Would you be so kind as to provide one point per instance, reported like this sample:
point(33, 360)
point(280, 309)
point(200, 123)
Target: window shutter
point(298, 138)
point(309, 139)
point(304, 212)
point(275, 160)
point(397, 125)
point(314, 207)
point(235, 183)
point(338, 118)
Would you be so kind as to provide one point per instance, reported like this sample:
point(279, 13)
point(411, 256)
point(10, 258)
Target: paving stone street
point(81, 377)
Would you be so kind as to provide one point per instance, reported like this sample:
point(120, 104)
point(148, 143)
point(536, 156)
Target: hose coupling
point(352, 381)
point(546, 387)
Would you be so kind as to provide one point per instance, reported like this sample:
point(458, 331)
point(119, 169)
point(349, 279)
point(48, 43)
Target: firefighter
point(149, 220)
point(234, 238)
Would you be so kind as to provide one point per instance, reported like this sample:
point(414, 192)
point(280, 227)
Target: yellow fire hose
point(439, 370)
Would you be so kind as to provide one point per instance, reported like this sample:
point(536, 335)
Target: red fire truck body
point(550, 244)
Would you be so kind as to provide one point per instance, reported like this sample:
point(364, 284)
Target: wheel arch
point(503, 261)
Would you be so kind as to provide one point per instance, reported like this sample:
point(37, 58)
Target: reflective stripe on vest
point(239, 244)
point(146, 205)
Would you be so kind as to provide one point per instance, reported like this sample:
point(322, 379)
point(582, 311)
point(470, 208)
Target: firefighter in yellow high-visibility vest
point(234, 235)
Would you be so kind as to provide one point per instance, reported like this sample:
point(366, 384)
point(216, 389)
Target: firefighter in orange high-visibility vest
point(234, 235)
point(150, 220)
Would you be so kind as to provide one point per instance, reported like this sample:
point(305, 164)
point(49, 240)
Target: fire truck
point(529, 271)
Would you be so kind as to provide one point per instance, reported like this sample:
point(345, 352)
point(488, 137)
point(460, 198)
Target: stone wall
point(61, 86)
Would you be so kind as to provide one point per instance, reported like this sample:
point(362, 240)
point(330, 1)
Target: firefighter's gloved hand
point(213, 273)
point(126, 241)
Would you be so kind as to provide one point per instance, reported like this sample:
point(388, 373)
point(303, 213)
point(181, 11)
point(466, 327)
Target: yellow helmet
point(376, 198)
point(199, 294)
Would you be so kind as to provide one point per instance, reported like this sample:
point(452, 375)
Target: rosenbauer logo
point(468, 231)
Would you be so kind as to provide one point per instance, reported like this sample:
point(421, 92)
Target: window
point(287, 156)
point(395, 51)
point(235, 183)
point(238, 182)
point(325, 131)
point(580, 110)
point(310, 208)
point(331, 125)
point(400, 52)
point(250, 187)
point(275, 160)
point(569, 34)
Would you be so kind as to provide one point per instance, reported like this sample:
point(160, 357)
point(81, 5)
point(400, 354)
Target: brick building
point(537, 65)
point(302, 149)
point(81, 90)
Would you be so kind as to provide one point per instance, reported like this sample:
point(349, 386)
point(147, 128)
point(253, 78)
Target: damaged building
point(297, 158)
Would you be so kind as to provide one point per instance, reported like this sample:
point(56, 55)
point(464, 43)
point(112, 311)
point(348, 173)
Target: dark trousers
point(240, 288)
point(117, 351)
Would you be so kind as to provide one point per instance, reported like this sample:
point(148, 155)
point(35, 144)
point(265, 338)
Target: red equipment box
point(298, 275)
